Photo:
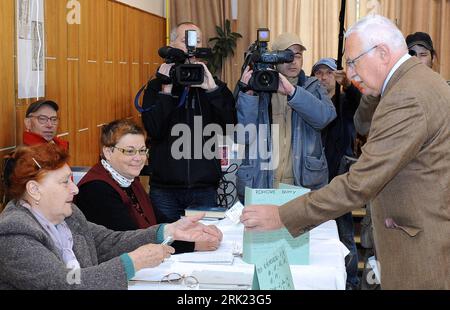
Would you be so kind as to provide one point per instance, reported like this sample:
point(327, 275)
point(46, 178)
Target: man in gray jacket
point(299, 110)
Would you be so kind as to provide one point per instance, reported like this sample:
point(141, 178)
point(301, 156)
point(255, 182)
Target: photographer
point(301, 109)
point(177, 184)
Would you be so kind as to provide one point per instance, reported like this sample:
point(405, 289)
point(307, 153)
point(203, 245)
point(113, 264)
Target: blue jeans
point(347, 237)
point(169, 204)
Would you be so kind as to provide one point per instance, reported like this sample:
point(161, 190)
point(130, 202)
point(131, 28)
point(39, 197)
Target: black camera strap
point(136, 100)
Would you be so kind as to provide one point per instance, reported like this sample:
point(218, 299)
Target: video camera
point(265, 78)
point(182, 73)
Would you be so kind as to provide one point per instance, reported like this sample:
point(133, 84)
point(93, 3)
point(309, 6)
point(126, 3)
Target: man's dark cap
point(420, 38)
point(39, 104)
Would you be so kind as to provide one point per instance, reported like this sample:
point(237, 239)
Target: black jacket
point(339, 135)
point(165, 111)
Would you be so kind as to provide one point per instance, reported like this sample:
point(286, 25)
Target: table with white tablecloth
point(326, 270)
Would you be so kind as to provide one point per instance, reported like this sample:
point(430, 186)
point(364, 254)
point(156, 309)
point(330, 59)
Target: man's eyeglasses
point(42, 119)
point(352, 62)
point(132, 152)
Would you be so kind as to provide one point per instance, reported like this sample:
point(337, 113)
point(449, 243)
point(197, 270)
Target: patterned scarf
point(123, 181)
point(60, 234)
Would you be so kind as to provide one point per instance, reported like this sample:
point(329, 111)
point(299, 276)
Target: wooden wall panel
point(73, 78)
point(56, 59)
point(109, 33)
point(135, 35)
point(84, 151)
point(7, 77)
point(93, 70)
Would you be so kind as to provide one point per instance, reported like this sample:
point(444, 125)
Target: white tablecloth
point(325, 272)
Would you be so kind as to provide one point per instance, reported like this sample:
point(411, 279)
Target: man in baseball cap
point(41, 123)
point(421, 46)
point(338, 138)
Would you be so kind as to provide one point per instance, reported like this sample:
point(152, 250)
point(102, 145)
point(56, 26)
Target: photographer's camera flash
point(263, 35)
point(191, 40)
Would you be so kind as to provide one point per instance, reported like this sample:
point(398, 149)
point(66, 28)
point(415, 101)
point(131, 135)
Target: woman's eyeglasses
point(175, 279)
point(132, 152)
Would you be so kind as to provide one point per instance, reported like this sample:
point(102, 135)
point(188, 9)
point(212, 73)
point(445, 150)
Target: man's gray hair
point(173, 33)
point(376, 29)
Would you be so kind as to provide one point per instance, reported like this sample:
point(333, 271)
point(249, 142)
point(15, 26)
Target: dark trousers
point(347, 235)
point(169, 204)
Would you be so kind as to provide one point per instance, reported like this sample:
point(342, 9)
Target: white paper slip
point(204, 258)
point(235, 212)
point(210, 279)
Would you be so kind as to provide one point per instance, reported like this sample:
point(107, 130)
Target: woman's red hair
point(32, 163)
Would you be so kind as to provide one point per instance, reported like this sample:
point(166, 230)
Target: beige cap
point(286, 40)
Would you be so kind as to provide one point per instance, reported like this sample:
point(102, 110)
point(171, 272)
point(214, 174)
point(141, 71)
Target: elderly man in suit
point(404, 168)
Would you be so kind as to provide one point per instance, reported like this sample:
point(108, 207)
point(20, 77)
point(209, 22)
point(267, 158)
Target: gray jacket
point(312, 110)
point(30, 260)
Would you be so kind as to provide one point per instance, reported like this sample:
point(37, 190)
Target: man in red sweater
point(41, 124)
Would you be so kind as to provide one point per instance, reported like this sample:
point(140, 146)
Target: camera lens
point(265, 79)
point(189, 74)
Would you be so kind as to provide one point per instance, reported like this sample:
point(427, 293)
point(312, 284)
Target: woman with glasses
point(111, 193)
point(47, 243)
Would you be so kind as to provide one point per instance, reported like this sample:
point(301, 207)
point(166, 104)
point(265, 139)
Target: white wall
point(156, 7)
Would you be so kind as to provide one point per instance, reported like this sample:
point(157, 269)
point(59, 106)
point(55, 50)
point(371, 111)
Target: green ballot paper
point(272, 272)
point(257, 244)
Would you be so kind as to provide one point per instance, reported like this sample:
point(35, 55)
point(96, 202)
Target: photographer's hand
point(208, 83)
point(246, 76)
point(285, 87)
point(165, 70)
point(341, 78)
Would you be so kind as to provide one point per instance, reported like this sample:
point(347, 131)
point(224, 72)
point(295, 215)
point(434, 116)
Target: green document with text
point(258, 244)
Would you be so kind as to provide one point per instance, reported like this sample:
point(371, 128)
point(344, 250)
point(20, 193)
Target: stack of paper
point(204, 258)
point(209, 279)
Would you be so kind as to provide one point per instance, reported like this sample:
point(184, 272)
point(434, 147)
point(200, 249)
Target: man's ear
point(27, 122)
point(385, 53)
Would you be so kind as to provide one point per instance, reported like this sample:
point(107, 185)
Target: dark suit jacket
point(405, 169)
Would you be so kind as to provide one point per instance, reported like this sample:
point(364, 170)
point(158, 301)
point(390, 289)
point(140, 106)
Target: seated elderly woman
point(47, 243)
point(111, 193)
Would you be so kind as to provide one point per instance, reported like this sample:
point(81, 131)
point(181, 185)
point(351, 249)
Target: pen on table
point(168, 241)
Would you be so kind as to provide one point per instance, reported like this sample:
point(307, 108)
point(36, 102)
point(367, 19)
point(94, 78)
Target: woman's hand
point(150, 255)
point(210, 245)
point(189, 229)
point(206, 246)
